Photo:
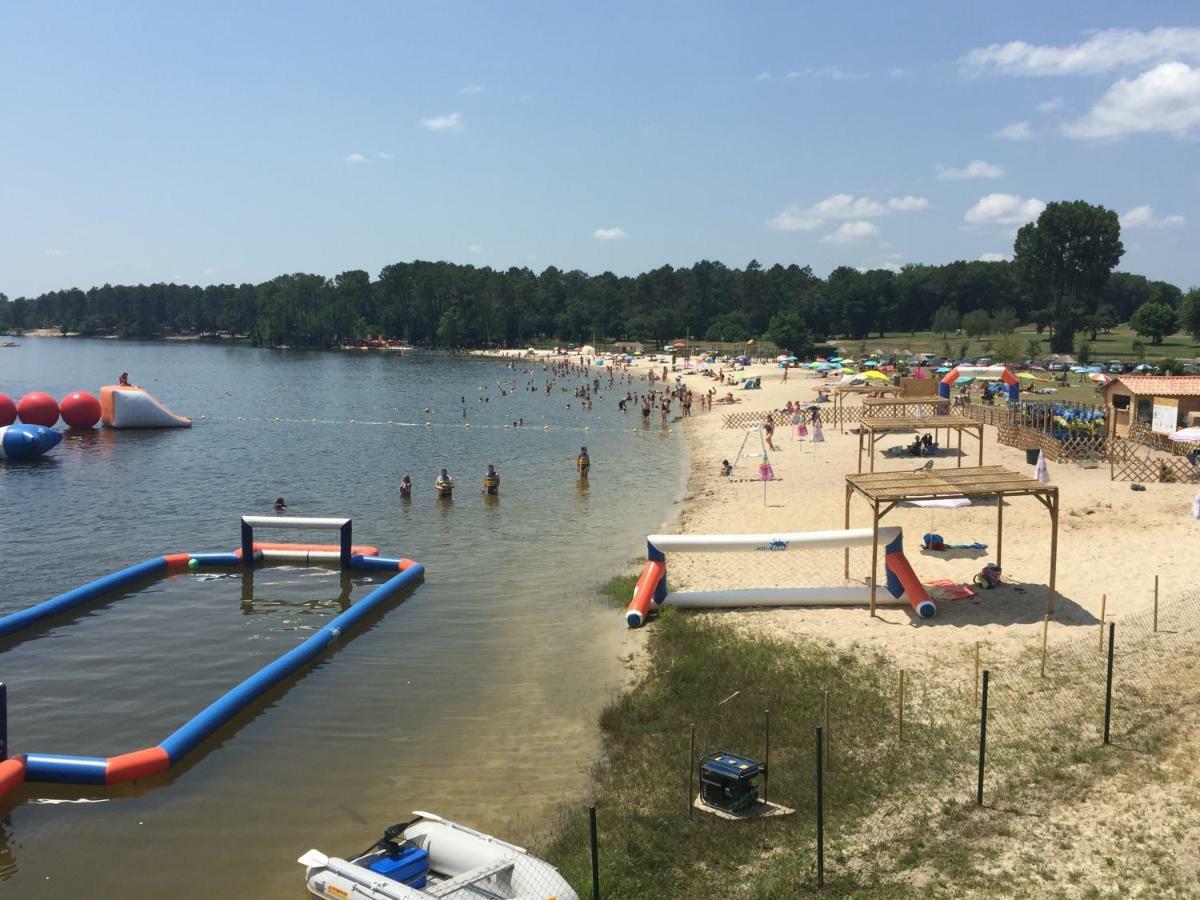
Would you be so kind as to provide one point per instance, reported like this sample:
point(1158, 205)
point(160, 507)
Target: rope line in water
point(279, 420)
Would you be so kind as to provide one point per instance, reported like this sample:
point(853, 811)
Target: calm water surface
point(475, 697)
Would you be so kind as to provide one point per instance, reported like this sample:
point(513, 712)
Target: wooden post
point(1053, 550)
point(901, 713)
point(977, 643)
point(1103, 605)
point(981, 445)
point(1156, 604)
point(872, 469)
point(849, 495)
point(1000, 530)
point(1045, 634)
point(874, 552)
point(860, 447)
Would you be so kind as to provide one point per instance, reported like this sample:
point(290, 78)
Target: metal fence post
point(1112, 629)
point(820, 809)
point(691, 763)
point(767, 760)
point(595, 854)
point(982, 737)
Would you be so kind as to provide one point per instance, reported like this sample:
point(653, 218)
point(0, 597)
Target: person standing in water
point(491, 481)
point(583, 463)
point(406, 487)
point(444, 484)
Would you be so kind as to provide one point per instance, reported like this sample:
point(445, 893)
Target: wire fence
point(905, 755)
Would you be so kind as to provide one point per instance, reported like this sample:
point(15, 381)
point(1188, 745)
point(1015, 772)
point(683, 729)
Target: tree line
point(445, 305)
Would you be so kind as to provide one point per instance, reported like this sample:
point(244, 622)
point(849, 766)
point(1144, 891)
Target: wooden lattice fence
point(829, 416)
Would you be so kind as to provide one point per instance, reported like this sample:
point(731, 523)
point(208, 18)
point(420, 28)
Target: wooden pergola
point(840, 391)
point(885, 490)
point(905, 407)
point(870, 426)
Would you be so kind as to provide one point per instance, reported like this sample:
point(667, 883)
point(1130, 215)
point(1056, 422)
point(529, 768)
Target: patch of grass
point(1118, 344)
point(618, 590)
point(651, 847)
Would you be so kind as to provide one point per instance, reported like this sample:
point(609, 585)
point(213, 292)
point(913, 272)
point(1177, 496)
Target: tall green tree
point(1066, 257)
point(945, 320)
point(1189, 313)
point(1155, 321)
point(789, 332)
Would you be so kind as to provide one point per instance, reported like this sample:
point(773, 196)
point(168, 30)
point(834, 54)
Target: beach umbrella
point(1143, 368)
point(874, 376)
point(1038, 368)
point(821, 359)
point(871, 362)
point(1099, 378)
point(965, 379)
point(889, 368)
point(1186, 435)
point(793, 359)
point(1027, 376)
point(1078, 370)
point(942, 370)
point(782, 357)
point(835, 359)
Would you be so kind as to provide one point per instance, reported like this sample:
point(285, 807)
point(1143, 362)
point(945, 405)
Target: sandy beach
point(1112, 540)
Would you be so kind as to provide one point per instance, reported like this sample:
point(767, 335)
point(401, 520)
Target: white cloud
point(356, 158)
point(54, 251)
point(1015, 131)
point(1052, 105)
point(897, 72)
point(763, 76)
point(993, 257)
point(1104, 51)
point(1004, 209)
point(475, 249)
point(1165, 98)
point(908, 203)
point(609, 234)
point(471, 89)
point(840, 206)
point(976, 168)
point(379, 154)
point(448, 122)
point(833, 73)
point(1144, 217)
point(848, 232)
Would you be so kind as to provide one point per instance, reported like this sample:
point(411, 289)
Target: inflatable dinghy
point(434, 857)
point(20, 442)
point(133, 407)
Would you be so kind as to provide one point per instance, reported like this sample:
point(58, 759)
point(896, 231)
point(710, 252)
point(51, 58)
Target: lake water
point(476, 697)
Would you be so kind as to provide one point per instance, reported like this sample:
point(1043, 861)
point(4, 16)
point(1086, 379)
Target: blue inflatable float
point(143, 763)
point(21, 442)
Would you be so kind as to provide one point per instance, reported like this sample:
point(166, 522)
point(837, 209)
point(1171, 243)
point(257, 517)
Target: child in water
point(280, 506)
point(726, 468)
point(491, 481)
point(444, 484)
point(406, 487)
point(583, 463)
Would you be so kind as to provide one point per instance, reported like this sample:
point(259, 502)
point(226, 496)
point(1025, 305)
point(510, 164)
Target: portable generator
point(729, 782)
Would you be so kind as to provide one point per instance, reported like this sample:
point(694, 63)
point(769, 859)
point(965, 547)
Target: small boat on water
point(8, 344)
point(434, 857)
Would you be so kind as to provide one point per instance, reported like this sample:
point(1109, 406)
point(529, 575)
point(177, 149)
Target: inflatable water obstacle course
point(903, 586)
point(119, 406)
point(145, 762)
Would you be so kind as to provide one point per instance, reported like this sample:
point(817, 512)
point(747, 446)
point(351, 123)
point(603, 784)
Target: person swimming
point(406, 487)
point(491, 481)
point(280, 506)
point(583, 462)
point(444, 484)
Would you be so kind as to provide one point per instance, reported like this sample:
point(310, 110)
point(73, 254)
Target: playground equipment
point(983, 373)
point(48, 767)
point(651, 588)
point(22, 442)
point(8, 410)
point(132, 407)
point(80, 410)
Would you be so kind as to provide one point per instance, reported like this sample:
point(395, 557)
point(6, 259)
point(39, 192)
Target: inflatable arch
point(988, 373)
point(903, 586)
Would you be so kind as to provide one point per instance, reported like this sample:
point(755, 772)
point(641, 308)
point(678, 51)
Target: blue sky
point(216, 142)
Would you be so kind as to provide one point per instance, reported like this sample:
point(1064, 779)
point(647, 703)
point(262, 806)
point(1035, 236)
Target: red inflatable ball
point(38, 408)
point(80, 410)
point(8, 410)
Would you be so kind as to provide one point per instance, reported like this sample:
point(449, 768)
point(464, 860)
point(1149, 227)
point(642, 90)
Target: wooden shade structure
point(885, 490)
point(868, 427)
point(905, 407)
